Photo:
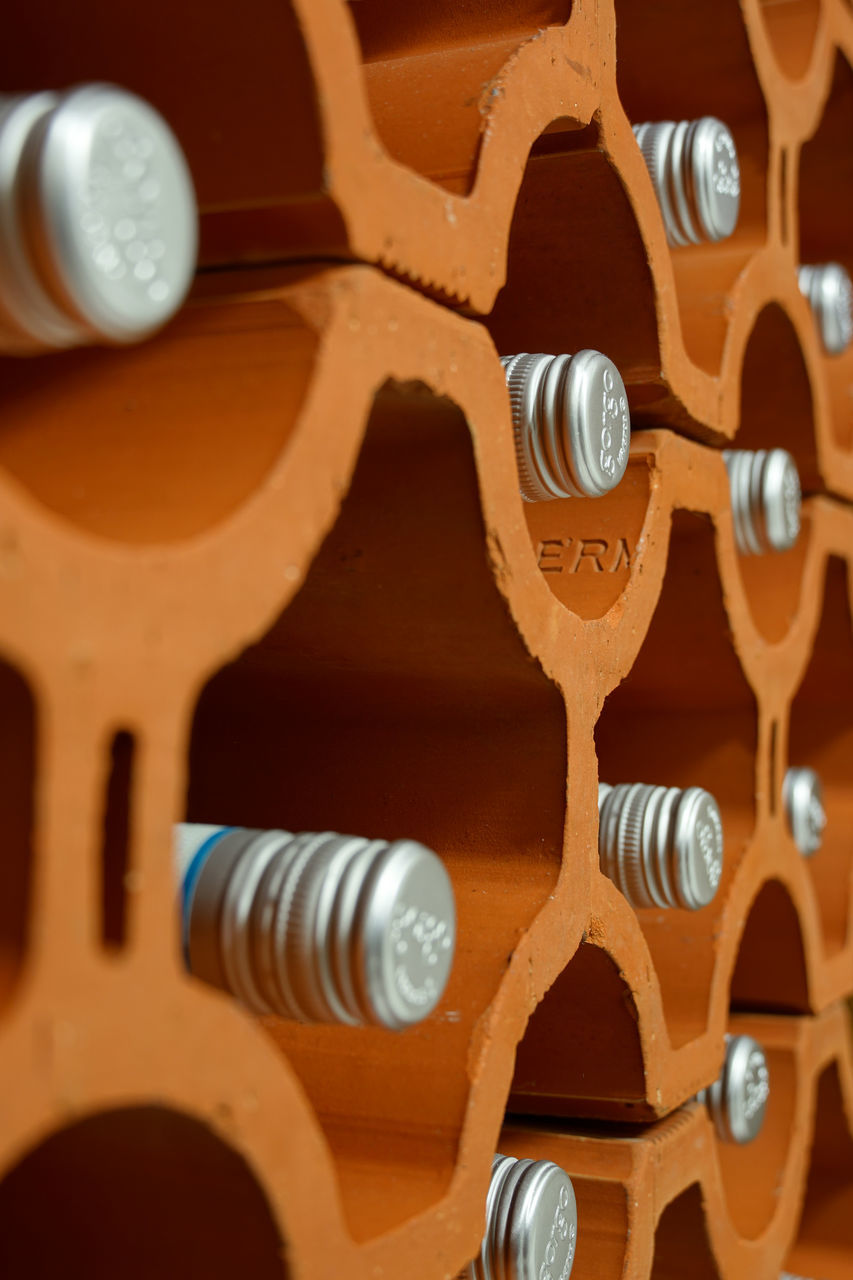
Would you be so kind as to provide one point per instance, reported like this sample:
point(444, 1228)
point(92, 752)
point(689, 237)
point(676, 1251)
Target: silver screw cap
point(97, 205)
point(317, 927)
point(802, 794)
point(737, 1101)
point(571, 424)
point(694, 169)
point(661, 846)
point(766, 499)
point(829, 290)
point(531, 1223)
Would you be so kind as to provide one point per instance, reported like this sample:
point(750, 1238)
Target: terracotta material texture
point(272, 569)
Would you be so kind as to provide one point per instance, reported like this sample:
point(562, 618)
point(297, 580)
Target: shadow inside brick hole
point(825, 202)
point(686, 716)
point(137, 1192)
point(695, 60)
point(824, 1241)
point(394, 698)
point(430, 73)
point(770, 968)
point(820, 736)
point(580, 1054)
point(777, 411)
point(117, 445)
point(753, 1173)
point(681, 1244)
point(577, 270)
point(792, 28)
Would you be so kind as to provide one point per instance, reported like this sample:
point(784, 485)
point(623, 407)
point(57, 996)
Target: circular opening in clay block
point(158, 442)
point(686, 716)
point(577, 271)
point(826, 215)
point(770, 970)
point(432, 73)
point(825, 1234)
point(681, 1240)
point(820, 737)
point(791, 28)
point(17, 787)
point(136, 1193)
point(394, 698)
point(753, 1172)
point(587, 548)
point(694, 60)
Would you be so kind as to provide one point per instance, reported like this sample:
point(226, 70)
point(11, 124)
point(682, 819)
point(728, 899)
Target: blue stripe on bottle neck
point(190, 881)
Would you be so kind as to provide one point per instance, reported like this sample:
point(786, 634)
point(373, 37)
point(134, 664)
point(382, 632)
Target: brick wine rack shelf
point(271, 568)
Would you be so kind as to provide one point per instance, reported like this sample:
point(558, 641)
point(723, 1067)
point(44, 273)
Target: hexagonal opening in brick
point(777, 412)
point(825, 204)
point(135, 1192)
point(577, 271)
point(682, 1246)
point(684, 62)
point(820, 737)
point(394, 698)
point(685, 716)
point(824, 1240)
point(755, 1171)
point(770, 967)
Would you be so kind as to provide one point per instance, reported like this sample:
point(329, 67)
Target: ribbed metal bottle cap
point(766, 499)
point(829, 290)
point(98, 201)
point(531, 1223)
point(571, 424)
point(802, 794)
point(694, 168)
point(661, 846)
point(737, 1100)
point(320, 927)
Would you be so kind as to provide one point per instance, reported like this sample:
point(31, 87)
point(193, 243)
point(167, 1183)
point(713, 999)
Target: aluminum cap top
point(698, 847)
point(803, 795)
point(599, 422)
point(782, 499)
point(531, 1222)
point(406, 944)
point(716, 177)
point(114, 221)
point(739, 1097)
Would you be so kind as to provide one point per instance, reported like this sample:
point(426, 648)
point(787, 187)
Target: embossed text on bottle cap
point(531, 1223)
point(408, 933)
point(117, 224)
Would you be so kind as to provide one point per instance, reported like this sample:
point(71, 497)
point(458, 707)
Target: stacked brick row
point(272, 568)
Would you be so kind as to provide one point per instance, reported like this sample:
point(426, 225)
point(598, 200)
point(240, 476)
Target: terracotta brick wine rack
point(271, 569)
